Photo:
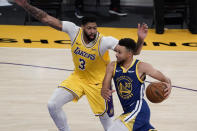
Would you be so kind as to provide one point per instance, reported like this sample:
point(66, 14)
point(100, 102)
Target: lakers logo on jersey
point(78, 51)
point(124, 87)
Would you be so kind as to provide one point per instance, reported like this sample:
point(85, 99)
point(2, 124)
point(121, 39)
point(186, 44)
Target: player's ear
point(83, 27)
point(131, 53)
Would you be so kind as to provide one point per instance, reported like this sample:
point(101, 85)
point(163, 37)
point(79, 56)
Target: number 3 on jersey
point(82, 64)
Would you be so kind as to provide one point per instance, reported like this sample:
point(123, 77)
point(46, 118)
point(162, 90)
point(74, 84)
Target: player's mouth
point(92, 36)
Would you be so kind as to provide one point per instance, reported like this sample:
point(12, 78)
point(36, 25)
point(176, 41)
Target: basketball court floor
point(35, 59)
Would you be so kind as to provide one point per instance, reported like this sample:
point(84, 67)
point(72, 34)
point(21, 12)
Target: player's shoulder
point(111, 65)
point(107, 38)
point(143, 65)
point(108, 42)
point(67, 25)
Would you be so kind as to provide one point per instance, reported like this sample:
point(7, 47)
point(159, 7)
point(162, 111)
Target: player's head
point(89, 27)
point(125, 49)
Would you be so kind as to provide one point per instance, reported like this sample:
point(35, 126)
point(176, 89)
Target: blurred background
point(158, 14)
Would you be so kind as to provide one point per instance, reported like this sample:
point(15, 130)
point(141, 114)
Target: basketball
point(155, 92)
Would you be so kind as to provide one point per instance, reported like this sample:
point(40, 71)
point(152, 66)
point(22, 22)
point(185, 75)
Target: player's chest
point(88, 53)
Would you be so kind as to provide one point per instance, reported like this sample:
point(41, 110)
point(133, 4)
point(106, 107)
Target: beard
point(88, 37)
point(120, 62)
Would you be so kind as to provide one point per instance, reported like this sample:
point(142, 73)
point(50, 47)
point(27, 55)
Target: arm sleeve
point(70, 28)
point(107, 43)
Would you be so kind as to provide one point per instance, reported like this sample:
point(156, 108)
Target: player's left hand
point(142, 31)
point(167, 90)
point(106, 93)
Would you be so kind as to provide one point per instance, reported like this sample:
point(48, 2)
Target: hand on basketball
point(167, 90)
point(142, 31)
point(21, 2)
point(106, 93)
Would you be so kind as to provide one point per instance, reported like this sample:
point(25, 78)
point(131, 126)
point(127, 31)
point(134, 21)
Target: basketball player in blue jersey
point(90, 55)
point(128, 75)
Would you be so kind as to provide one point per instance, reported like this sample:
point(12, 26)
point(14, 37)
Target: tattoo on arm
point(35, 12)
point(41, 15)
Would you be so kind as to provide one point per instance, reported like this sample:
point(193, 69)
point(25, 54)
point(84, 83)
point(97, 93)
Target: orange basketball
point(155, 92)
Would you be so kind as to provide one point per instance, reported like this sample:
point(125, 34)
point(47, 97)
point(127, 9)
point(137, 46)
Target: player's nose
point(93, 31)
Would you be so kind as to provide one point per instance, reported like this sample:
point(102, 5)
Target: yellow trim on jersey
point(114, 72)
point(129, 124)
point(106, 108)
point(99, 46)
point(138, 73)
point(125, 70)
point(75, 37)
point(69, 90)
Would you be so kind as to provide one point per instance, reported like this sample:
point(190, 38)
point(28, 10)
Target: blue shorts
point(138, 119)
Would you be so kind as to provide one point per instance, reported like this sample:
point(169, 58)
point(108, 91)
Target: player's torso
point(128, 85)
point(89, 64)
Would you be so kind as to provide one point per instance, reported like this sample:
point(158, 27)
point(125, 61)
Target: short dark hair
point(130, 44)
point(86, 20)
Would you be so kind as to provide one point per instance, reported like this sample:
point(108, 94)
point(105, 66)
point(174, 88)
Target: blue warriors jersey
point(129, 86)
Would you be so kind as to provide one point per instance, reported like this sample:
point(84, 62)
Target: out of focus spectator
point(114, 8)
point(79, 8)
point(4, 3)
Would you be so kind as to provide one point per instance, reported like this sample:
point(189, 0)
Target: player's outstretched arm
point(142, 33)
point(40, 15)
point(145, 68)
point(106, 92)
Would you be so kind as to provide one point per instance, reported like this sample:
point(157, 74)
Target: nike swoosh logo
point(118, 70)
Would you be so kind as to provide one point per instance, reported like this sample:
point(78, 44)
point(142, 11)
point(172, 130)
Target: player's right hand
point(167, 90)
point(21, 2)
point(142, 31)
point(106, 93)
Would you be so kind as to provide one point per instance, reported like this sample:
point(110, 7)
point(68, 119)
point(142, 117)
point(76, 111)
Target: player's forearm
point(35, 12)
point(139, 46)
point(105, 91)
point(106, 84)
point(43, 16)
point(167, 80)
point(163, 78)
